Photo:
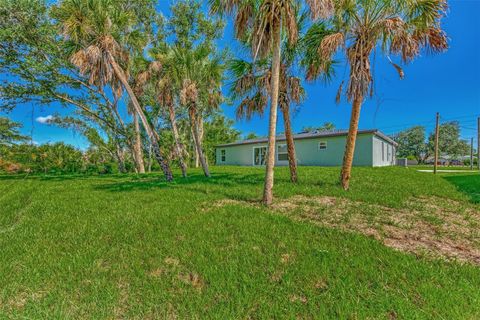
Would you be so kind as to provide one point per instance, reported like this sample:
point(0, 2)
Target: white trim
point(322, 142)
point(253, 155)
point(278, 153)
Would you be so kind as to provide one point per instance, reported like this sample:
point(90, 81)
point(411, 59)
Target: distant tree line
point(414, 144)
point(18, 154)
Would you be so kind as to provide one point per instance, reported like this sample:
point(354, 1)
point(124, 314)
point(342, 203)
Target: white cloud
point(44, 120)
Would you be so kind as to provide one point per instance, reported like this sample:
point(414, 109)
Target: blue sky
point(448, 83)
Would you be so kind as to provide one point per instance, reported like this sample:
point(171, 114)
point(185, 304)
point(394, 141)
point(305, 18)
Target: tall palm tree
point(261, 23)
point(99, 32)
point(198, 73)
point(359, 28)
point(159, 72)
point(251, 84)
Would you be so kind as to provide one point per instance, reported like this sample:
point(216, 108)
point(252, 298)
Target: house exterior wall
point(307, 150)
point(383, 152)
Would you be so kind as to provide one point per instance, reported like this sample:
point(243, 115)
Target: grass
point(103, 247)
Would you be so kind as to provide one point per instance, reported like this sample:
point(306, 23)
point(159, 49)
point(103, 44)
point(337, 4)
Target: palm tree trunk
point(137, 147)
point(176, 137)
point(268, 187)
point(350, 146)
point(196, 139)
point(292, 163)
point(151, 133)
point(197, 158)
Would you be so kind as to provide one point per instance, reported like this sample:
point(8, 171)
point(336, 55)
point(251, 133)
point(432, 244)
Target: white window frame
point(278, 153)
point(253, 155)
point(223, 155)
point(320, 144)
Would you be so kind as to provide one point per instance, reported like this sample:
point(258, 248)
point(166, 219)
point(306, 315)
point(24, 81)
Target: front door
point(259, 156)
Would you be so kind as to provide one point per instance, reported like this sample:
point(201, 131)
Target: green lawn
point(107, 247)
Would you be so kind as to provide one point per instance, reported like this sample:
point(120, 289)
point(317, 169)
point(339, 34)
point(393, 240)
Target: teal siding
point(307, 150)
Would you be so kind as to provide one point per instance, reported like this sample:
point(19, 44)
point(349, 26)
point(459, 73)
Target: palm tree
point(160, 73)
point(261, 23)
point(359, 28)
point(198, 75)
point(96, 30)
point(252, 80)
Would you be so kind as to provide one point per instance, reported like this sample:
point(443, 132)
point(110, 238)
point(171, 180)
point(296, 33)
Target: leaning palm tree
point(261, 23)
point(99, 32)
point(361, 27)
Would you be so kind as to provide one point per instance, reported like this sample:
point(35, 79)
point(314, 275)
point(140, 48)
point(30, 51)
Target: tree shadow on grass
point(467, 184)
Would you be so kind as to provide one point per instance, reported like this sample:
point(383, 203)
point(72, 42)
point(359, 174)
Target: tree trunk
point(268, 187)
point(292, 163)
point(120, 160)
point(150, 132)
point(176, 137)
point(200, 134)
point(150, 158)
point(350, 146)
point(196, 139)
point(137, 147)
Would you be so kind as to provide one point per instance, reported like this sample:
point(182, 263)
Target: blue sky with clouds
point(448, 83)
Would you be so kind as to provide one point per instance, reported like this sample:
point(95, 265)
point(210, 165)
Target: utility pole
point(471, 153)
point(435, 163)
point(478, 144)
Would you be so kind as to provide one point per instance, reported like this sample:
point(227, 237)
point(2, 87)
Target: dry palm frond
point(93, 54)
point(155, 67)
point(360, 71)
point(245, 83)
point(109, 44)
point(142, 78)
point(392, 25)
point(290, 23)
point(117, 89)
point(405, 45)
point(242, 20)
point(320, 8)
point(80, 60)
point(296, 90)
point(264, 81)
point(330, 45)
point(372, 88)
point(338, 97)
point(433, 39)
point(399, 69)
point(312, 72)
point(189, 92)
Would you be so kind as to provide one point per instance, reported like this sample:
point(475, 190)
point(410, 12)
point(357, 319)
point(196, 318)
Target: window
point(223, 155)
point(322, 145)
point(388, 152)
point(282, 152)
point(259, 156)
point(383, 151)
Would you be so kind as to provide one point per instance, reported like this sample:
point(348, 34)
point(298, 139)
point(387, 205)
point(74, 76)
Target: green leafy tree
point(449, 142)
point(411, 143)
point(361, 27)
point(327, 126)
point(10, 132)
point(218, 130)
point(101, 34)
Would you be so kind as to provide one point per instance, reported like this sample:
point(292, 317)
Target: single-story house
point(372, 149)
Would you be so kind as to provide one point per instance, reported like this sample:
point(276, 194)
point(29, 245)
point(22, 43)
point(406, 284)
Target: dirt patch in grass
point(432, 226)
point(435, 227)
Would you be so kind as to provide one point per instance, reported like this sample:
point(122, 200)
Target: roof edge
point(311, 136)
